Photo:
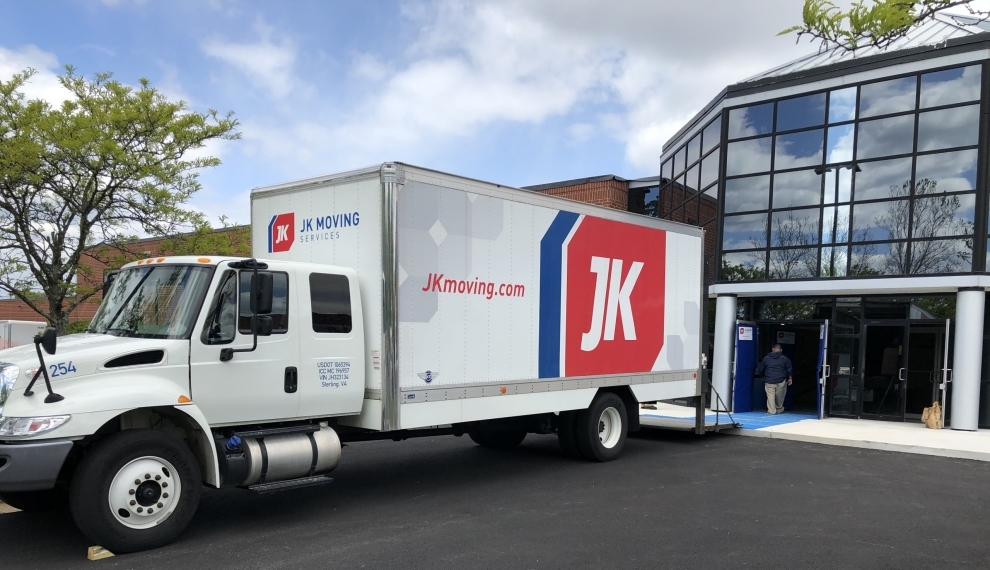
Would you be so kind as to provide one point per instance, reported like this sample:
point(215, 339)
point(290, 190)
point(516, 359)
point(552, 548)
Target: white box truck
point(16, 333)
point(384, 303)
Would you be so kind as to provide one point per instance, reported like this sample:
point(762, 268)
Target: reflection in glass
point(667, 170)
point(745, 194)
point(828, 224)
point(883, 179)
point(690, 215)
point(744, 266)
point(679, 163)
point(792, 189)
point(748, 157)
point(680, 193)
point(794, 228)
point(712, 134)
point(833, 261)
point(840, 144)
point(709, 169)
point(885, 137)
point(708, 207)
point(871, 222)
point(959, 126)
point(842, 105)
point(798, 149)
point(793, 263)
point(951, 215)
point(692, 178)
point(950, 86)
point(744, 232)
point(941, 256)
point(800, 112)
point(878, 259)
point(694, 149)
point(751, 121)
point(893, 96)
point(950, 171)
point(835, 224)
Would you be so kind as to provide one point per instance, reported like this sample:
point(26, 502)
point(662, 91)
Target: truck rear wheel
point(49, 500)
point(601, 429)
point(135, 490)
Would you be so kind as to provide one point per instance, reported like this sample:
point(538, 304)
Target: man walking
point(778, 375)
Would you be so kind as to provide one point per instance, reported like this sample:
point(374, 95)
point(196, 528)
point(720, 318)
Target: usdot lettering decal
point(333, 373)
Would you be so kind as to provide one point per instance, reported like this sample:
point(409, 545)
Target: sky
point(516, 92)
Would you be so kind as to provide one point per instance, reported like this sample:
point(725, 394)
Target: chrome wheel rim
point(144, 492)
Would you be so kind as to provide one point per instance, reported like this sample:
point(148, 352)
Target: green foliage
point(231, 239)
point(740, 272)
point(110, 161)
point(877, 24)
point(76, 327)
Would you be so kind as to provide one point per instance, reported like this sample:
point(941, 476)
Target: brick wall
point(609, 193)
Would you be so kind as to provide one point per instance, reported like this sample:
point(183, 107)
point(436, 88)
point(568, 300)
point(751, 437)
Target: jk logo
point(281, 232)
point(607, 308)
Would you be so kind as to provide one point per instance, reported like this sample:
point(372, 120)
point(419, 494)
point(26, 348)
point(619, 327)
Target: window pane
point(800, 112)
point(330, 296)
point(793, 263)
point(892, 96)
point(842, 105)
point(950, 86)
point(680, 193)
point(794, 228)
point(747, 157)
point(708, 207)
point(679, 163)
point(941, 256)
point(692, 178)
point(667, 170)
point(744, 266)
point(959, 126)
point(833, 261)
point(943, 216)
point(651, 202)
point(885, 137)
point(709, 169)
point(948, 172)
point(883, 179)
point(744, 232)
point(877, 221)
point(691, 212)
point(835, 224)
point(878, 259)
point(280, 303)
point(751, 121)
point(798, 149)
point(745, 194)
point(840, 144)
point(221, 322)
point(801, 188)
point(712, 134)
point(694, 149)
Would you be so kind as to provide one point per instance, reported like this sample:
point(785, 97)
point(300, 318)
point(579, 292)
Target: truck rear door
point(331, 371)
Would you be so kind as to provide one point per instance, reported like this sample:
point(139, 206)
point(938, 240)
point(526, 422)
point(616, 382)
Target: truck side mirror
point(263, 325)
point(48, 340)
point(262, 291)
point(108, 278)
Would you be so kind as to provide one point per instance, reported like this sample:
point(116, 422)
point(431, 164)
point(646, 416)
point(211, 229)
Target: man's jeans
point(775, 397)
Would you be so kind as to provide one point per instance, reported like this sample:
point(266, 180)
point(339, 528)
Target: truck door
point(332, 361)
point(253, 386)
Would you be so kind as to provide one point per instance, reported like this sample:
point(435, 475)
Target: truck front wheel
point(601, 429)
point(135, 490)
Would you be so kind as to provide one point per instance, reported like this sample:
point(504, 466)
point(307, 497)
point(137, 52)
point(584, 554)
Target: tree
point(110, 161)
point(878, 25)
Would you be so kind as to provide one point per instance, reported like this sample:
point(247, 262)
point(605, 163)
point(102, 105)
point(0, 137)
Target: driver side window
point(221, 323)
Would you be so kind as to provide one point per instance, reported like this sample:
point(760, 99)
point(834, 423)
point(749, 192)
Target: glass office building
point(848, 200)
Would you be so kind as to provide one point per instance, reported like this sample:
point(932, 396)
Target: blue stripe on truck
point(551, 263)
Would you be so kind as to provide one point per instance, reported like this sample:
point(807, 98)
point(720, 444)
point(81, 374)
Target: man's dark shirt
point(776, 368)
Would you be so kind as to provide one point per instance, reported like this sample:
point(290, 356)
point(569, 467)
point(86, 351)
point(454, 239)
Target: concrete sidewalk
point(889, 436)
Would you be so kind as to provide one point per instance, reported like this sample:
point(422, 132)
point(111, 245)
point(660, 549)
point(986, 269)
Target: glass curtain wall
point(868, 180)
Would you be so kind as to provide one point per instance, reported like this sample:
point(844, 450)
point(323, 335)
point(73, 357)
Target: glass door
point(926, 358)
point(885, 359)
point(843, 372)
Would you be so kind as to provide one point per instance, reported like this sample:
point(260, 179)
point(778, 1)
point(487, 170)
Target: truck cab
point(192, 348)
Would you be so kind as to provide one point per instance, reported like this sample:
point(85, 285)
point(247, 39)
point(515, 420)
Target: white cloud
point(266, 63)
point(367, 66)
point(44, 84)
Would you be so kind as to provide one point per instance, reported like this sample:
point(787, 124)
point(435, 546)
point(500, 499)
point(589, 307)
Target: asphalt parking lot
point(672, 501)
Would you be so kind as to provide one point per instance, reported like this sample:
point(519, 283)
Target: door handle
point(900, 374)
point(291, 379)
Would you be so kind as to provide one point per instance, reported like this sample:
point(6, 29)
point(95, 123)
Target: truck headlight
point(8, 375)
point(25, 427)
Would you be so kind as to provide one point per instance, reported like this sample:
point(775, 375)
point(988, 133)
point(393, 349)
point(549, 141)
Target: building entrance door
point(926, 361)
point(884, 370)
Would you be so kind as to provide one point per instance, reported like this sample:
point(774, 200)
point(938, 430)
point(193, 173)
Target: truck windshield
point(152, 302)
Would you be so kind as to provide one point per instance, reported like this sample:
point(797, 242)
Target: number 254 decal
point(62, 368)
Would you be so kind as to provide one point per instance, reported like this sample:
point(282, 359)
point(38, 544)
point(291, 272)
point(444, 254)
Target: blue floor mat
point(757, 420)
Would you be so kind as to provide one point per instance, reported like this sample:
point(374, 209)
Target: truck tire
point(497, 438)
point(49, 500)
point(601, 428)
point(566, 434)
point(137, 489)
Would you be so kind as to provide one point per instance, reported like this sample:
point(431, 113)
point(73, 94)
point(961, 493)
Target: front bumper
point(31, 466)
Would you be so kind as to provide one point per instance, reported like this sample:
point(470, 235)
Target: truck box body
point(483, 301)
point(17, 333)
